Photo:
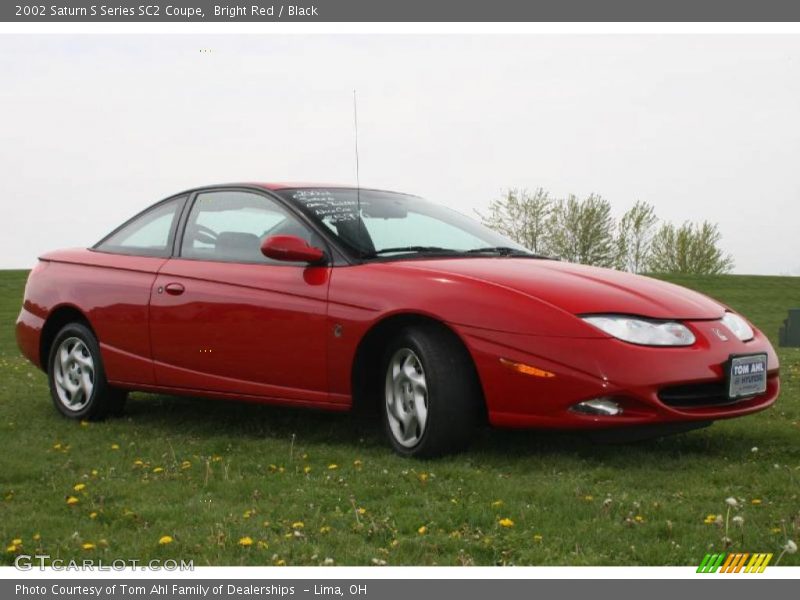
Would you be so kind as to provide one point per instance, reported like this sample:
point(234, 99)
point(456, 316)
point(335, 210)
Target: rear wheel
point(77, 379)
point(432, 396)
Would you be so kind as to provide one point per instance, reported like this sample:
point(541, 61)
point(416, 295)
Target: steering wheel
point(205, 234)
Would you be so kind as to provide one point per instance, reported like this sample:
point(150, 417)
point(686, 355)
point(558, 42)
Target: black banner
point(402, 11)
point(743, 587)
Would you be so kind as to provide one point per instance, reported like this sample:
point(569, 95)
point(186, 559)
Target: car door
point(225, 318)
point(114, 284)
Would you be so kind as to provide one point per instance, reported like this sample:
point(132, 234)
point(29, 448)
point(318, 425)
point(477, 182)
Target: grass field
point(310, 488)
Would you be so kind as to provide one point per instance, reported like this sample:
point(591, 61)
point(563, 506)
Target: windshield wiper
point(497, 250)
point(416, 249)
point(504, 251)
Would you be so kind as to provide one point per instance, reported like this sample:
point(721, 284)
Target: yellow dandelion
point(16, 542)
point(37, 537)
point(165, 539)
point(537, 538)
point(755, 501)
point(95, 472)
point(88, 546)
point(280, 563)
point(72, 500)
point(423, 477)
point(186, 465)
point(775, 530)
point(588, 498)
point(262, 544)
point(357, 464)
point(506, 522)
point(84, 423)
point(422, 530)
point(248, 513)
point(12, 548)
point(325, 529)
point(138, 462)
point(298, 525)
point(306, 469)
point(115, 446)
point(497, 504)
point(639, 519)
point(216, 458)
point(158, 470)
point(57, 446)
point(333, 466)
point(362, 511)
point(93, 515)
point(246, 541)
point(394, 543)
point(79, 487)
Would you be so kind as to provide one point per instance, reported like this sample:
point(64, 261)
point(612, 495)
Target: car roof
point(283, 185)
point(289, 185)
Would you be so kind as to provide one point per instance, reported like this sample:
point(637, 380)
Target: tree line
point(585, 231)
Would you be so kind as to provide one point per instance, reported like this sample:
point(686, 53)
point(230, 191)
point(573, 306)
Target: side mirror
point(290, 248)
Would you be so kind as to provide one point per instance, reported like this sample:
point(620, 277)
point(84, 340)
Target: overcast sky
point(95, 128)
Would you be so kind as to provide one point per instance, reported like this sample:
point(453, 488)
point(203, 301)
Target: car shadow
point(202, 417)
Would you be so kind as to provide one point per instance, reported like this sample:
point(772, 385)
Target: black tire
point(104, 400)
point(454, 399)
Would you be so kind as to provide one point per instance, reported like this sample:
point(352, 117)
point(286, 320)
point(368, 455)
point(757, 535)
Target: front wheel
point(77, 380)
point(432, 396)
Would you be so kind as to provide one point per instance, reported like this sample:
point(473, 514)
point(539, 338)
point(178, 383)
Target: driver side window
point(229, 226)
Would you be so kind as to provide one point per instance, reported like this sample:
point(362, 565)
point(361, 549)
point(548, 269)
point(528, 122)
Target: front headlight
point(738, 326)
point(643, 331)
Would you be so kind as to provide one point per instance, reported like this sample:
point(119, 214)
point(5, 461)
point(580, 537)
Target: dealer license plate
point(747, 375)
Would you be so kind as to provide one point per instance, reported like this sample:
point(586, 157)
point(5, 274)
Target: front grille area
point(697, 395)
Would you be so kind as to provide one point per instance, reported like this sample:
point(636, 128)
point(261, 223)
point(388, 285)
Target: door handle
point(174, 289)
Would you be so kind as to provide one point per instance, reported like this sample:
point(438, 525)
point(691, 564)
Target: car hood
point(580, 289)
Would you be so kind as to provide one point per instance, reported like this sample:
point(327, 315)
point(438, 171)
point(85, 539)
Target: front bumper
point(587, 368)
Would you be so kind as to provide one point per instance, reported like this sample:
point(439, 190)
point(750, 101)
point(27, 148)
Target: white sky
point(96, 128)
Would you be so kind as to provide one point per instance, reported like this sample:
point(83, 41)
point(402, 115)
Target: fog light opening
point(605, 407)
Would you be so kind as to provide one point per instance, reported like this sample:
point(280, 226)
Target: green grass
point(244, 476)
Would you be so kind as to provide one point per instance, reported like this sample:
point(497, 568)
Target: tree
point(522, 216)
point(634, 237)
point(582, 231)
point(690, 248)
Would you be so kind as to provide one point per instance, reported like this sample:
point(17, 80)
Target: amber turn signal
point(526, 369)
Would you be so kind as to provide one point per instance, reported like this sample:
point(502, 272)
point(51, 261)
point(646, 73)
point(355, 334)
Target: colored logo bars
point(735, 562)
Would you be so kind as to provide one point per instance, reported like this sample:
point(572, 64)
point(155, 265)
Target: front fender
point(362, 296)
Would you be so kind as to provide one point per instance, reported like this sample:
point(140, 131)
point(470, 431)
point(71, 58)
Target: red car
point(332, 297)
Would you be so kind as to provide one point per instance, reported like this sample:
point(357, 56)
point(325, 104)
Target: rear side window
point(148, 234)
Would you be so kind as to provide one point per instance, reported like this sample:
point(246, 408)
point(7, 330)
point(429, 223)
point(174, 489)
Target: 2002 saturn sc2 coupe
point(334, 297)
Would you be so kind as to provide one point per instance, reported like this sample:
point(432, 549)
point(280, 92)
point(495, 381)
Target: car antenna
point(358, 176)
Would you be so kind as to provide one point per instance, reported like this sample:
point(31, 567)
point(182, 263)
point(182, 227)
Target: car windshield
point(385, 224)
